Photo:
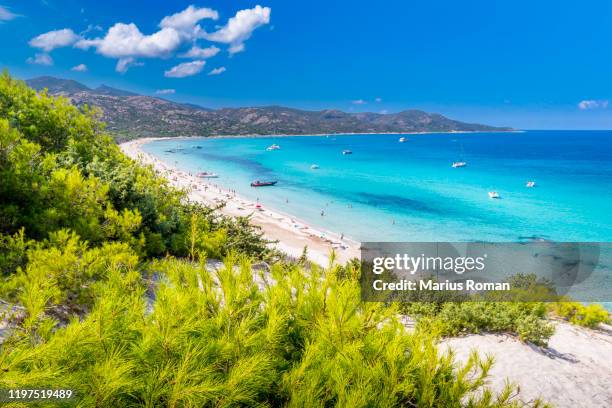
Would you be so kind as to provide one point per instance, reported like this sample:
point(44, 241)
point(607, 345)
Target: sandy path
point(291, 233)
point(574, 371)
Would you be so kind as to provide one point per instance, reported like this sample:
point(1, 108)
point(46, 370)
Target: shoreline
point(291, 233)
point(256, 135)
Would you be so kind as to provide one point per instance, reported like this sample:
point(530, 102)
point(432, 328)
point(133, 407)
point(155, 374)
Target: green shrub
point(534, 330)
point(576, 313)
point(222, 338)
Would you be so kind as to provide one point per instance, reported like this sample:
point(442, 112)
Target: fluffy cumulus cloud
point(54, 39)
point(196, 52)
point(240, 27)
point(165, 91)
point(185, 69)
point(593, 104)
point(127, 44)
point(6, 14)
point(40, 59)
point(359, 102)
point(79, 68)
point(185, 22)
point(126, 41)
point(217, 71)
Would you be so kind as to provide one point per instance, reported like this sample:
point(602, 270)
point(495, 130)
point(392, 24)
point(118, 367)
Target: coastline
point(291, 233)
point(257, 135)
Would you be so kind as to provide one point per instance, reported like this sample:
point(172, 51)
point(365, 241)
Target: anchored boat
point(345, 152)
point(258, 183)
point(459, 164)
point(493, 194)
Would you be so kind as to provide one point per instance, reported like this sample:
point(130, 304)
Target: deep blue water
point(391, 191)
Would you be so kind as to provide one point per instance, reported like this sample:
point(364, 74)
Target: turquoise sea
point(392, 191)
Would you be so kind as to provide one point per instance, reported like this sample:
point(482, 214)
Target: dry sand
point(575, 370)
point(291, 233)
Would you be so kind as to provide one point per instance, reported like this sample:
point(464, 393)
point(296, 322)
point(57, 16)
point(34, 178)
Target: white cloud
point(185, 69)
point(593, 104)
point(125, 63)
point(165, 91)
point(217, 71)
point(54, 39)
point(126, 41)
point(6, 15)
point(40, 59)
point(186, 21)
point(240, 27)
point(384, 112)
point(236, 48)
point(201, 53)
point(358, 102)
point(79, 68)
point(378, 100)
point(127, 44)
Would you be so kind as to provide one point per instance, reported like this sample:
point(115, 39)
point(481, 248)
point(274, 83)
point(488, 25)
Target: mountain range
point(129, 115)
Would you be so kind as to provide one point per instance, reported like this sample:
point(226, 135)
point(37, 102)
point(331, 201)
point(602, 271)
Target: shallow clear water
point(391, 191)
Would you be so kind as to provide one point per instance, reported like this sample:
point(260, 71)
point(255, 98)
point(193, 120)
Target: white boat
point(459, 164)
point(207, 175)
point(402, 139)
point(273, 147)
point(314, 166)
point(345, 152)
point(530, 184)
point(493, 194)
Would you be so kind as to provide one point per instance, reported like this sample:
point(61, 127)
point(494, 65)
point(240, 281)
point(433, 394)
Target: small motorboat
point(530, 184)
point(345, 152)
point(273, 146)
point(314, 166)
point(459, 164)
point(205, 174)
point(258, 183)
point(493, 194)
point(197, 147)
point(402, 139)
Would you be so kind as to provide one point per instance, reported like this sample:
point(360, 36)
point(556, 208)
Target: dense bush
point(58, 169)
point(453, 315)
point(189, 336)
point(583, 315)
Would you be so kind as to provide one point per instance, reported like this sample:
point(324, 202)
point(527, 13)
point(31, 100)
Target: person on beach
point(322, 213)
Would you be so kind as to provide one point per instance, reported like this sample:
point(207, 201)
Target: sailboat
point(460, 163)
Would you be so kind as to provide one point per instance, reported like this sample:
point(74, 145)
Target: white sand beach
point(291, 233)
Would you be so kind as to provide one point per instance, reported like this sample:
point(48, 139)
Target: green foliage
point(190, 336)
point(456, 318)
point(59, 170)
point(583, 315)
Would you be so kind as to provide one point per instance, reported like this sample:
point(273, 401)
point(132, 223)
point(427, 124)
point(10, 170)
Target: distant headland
point(130, 116)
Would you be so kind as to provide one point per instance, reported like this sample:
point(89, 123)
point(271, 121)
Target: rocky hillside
point(130, 115)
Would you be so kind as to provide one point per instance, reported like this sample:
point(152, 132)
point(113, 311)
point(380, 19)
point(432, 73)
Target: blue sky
point(528, 64)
